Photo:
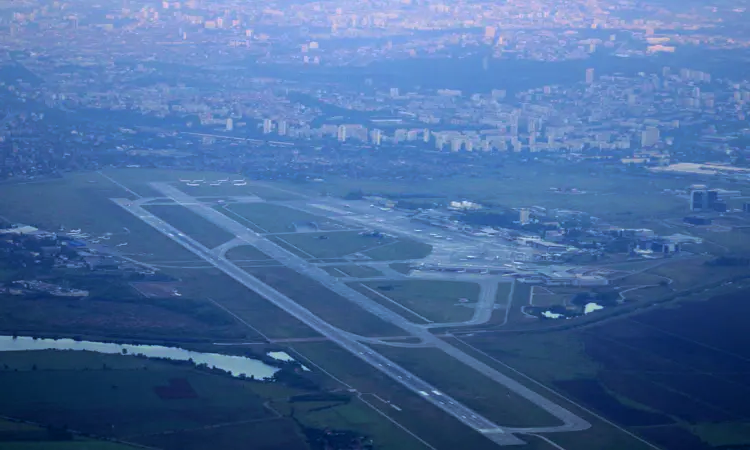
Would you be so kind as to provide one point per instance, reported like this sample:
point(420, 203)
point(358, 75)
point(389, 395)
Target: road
point(570, 422)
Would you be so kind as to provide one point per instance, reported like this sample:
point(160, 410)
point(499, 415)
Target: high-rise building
point(267, 126)
point(230, 124)
point(426, 135)
point(524, 216)
point(589, 76)
point(704, 199)
point(649, 137)
point(376, 136)
point(282, 128)
point(341, 134)
point(394, 92)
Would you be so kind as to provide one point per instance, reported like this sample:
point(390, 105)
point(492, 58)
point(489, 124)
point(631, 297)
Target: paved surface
point(353, 343)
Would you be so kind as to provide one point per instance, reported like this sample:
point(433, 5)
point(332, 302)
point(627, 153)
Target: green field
point(404, 268)
point(351, 244)
point(264, 191)
point(282, 433)
point(271, 218)
point(437, 301)
point(332, 245)
point(82, 200)
point(119, 396)
point(177, 407)
point(501, 316)
point(21, 436)
point(331, 307)
point(192, 224)
point(246, 253)
point(558, 357)
point(248, 306)
point(353, 270)
point(608, 195)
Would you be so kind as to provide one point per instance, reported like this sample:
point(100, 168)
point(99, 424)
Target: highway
point(569, 421)
point(343, 339)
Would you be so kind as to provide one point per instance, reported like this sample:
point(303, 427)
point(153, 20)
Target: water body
point(284, 356)
point(235, 365)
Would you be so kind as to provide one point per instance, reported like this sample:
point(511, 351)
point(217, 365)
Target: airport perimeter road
point(343, 339)
point(570, 421)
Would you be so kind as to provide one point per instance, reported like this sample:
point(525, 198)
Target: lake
point(235, 365)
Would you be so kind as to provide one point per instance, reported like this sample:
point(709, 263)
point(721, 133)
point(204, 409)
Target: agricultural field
point(435, 301)
point(176, 406)
point(26, 436)
point(670, 374)
point(119, 396)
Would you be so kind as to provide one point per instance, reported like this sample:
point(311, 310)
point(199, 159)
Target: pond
point(235, 365)
point(284, 356)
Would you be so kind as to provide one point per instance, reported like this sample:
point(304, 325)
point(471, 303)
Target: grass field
point(438, 301)
point(520, 185)
point(332, 245)
point(251, 308)
point(264, 191)
point(192, 224)
point(271, 218)
point(246, 253)
point(353, 270)
point(470, 387)
point(331, 307)
point(81, 200)
point(404, 249)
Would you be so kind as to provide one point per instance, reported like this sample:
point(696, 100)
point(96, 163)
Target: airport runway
point(570, 422)
point(343, 339)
